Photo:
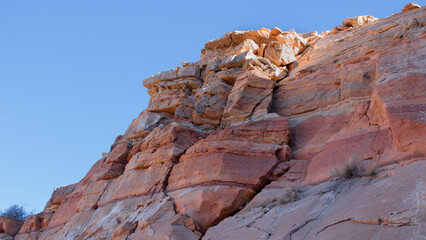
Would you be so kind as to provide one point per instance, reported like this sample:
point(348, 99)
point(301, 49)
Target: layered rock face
point(224, 141)
point(390, 206)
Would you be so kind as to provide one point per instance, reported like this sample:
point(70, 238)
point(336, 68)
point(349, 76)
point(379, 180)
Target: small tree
point(15, 211)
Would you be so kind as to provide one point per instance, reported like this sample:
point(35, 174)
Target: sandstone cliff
point(242, 144)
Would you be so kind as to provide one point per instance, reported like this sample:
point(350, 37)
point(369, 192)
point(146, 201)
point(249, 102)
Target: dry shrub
point(350, 170)
point(353, 168)
point(15, 211)
point(293, 194)
point(371, 169)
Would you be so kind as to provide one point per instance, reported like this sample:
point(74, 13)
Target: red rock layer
point(220, 173)
point(390, 206)
point(358, 93)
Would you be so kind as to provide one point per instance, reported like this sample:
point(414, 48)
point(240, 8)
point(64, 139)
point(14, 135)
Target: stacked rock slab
point(217, 175)
point(261, 111)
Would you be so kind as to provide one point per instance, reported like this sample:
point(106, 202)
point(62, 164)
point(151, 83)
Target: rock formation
point(9, 227)
point(243, 143)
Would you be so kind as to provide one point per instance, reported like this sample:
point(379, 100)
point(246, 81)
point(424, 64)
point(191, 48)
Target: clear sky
point(71, 72)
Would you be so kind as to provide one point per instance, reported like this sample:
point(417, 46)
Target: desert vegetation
point(354, 169)
point(291, 194)
point(15, 211)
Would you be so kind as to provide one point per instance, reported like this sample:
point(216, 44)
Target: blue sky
point(71, 72)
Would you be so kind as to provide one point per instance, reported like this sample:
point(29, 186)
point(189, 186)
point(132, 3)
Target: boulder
point(358, 21)
point(58, 196)
point(37, 222)
point(189, 71)
point(279, 54)
point(276, 31)
point(292, 40)
point(410, 6)
point(208, 205)
point(10, 226)
point(162, 76)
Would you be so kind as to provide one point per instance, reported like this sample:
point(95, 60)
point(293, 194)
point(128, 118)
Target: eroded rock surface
point(9, 227)
point(358, 92)
point(389, 206)
point(224, 140)
point(217, 175)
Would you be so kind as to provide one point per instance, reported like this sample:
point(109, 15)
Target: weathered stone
point(276, 31)
point(358, 21)
point(4, 236)
point(258, 36)
point(222, 42)
point(410, 6)
point(261, 50)
point(10, 226)
point(335, 106)
point(146, 122)
point(322, 212)
point(208, 205)
point(170, 229)
point(236, 61)
point(123, 231)
point(36, 222)
point(68, 207)
point(162, 76)
point(190, 224)
point(26, 236)
point(189, 71)
point(293, 41)
point(252, 92)
point(115, 162)
point(309, 34)
point(263, 64)
point(169, 101)
point(221, 156)
point(58, 196)
point(246, 45)
point(211, 101)
point(279, 54)
point(221, 160)
point(151, 161)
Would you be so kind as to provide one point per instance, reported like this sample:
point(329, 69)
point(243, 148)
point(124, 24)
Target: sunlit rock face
point(244, 143)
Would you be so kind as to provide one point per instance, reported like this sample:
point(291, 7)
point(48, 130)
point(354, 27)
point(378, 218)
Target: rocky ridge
point(225, 138)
